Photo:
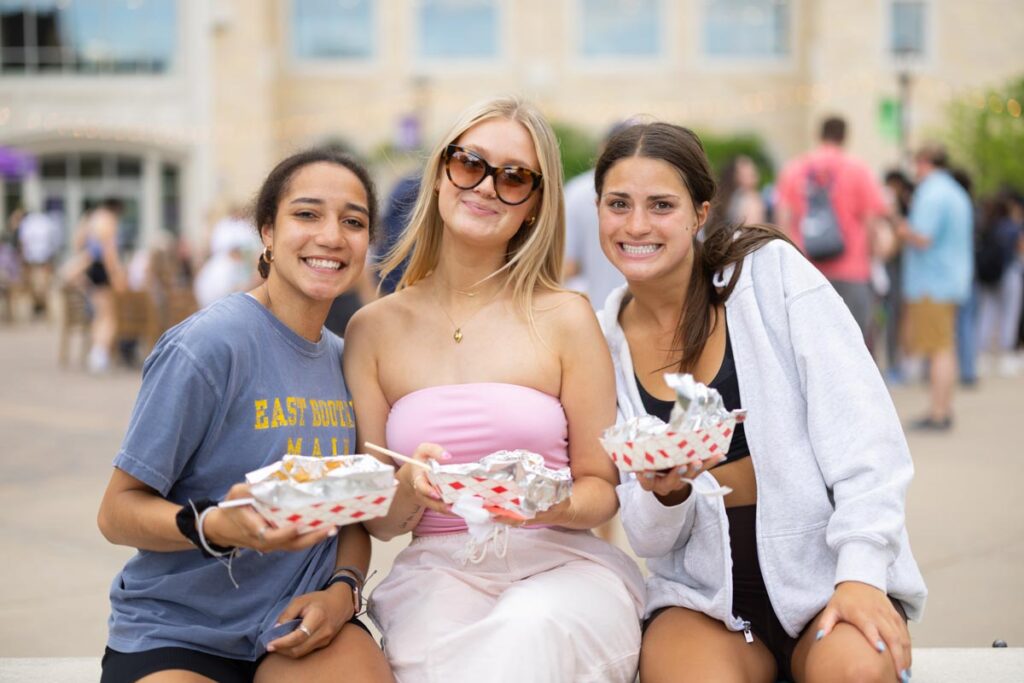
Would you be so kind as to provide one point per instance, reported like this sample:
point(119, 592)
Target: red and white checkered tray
point(335, 490)
point(337, 513)
point(503, 494)
point(517, 481)
point(671, 448)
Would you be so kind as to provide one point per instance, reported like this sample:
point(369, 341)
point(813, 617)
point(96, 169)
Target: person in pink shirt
point(480, 350)
point(857, 201)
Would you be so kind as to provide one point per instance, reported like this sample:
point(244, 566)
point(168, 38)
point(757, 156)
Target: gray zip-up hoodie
point(829, 455)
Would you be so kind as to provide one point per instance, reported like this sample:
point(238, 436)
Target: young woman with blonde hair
point(479, 350)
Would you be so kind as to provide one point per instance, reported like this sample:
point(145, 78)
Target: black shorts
point(96, 273)
point(750, 596)
point(128, 667)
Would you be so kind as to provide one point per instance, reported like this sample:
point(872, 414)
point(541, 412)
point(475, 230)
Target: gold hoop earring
point(267, 256)
point(530, 221)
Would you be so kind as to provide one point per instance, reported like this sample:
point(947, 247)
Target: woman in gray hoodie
point(803, 570)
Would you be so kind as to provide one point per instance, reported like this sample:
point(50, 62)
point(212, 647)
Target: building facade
point(181, 107)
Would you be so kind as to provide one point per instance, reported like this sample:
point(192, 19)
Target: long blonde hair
point(534, 254)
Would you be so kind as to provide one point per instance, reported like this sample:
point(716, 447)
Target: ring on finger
point(262, 534)
point(304, 629)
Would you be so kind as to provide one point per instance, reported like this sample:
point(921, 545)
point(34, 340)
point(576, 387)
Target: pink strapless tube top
point(474, 420)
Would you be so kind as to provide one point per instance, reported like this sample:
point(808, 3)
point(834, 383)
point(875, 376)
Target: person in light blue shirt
point(585, 268)
point(937, 273)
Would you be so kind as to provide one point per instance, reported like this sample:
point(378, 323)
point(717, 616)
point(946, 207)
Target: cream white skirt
point(554, 605)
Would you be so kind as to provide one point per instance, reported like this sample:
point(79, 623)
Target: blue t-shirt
point(227, 391)
point(942, 211)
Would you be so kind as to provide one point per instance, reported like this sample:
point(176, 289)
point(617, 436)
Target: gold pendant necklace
point(457, 335)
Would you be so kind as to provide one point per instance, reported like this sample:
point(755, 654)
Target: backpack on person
point(990, 254)
point(823, 239)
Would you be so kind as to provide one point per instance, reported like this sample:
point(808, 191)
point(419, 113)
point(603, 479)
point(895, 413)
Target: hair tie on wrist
point(190, 523)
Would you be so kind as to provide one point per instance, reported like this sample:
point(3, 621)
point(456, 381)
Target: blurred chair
point(137, 321)
point(180, 304)
point(76, 319)
point(6, 302)
point(10, 280)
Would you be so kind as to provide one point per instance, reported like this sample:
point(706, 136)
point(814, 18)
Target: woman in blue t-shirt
point(231, 389)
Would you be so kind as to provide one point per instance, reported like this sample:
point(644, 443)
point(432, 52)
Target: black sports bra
point(726, 383)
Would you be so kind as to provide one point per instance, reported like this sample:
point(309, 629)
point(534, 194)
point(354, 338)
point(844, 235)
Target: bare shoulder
point(379, 319)
point(562, 304)
point(567, 316)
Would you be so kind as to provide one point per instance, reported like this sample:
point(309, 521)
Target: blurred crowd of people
point(933, 276)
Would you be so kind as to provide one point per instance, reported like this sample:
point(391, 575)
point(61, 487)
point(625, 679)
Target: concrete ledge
point(47, 669)
point(931, 665)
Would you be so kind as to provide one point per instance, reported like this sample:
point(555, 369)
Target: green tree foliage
point(579, 148)
point(986, 136)
point(721, 149)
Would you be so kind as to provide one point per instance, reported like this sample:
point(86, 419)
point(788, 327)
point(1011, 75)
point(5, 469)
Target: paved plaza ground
point(61, 428)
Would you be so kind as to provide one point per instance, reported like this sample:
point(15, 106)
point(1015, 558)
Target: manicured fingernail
point(682, 471)
point(434, 495)
point(332, 532)
point(905, 676)
point(648, 475)
point(270, 648)
point(445, 455)
point(880, 646)
point(820, 634)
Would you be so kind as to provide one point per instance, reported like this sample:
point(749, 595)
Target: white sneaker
point(98, 361)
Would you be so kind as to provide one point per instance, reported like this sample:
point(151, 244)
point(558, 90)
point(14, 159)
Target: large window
point(332, 29)
point(458, 29)
point(87, 36)
point(170, 197)
point(626, 28)
point(907, 29)
point(746, 28)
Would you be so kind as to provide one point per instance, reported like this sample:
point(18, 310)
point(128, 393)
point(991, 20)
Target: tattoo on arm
point(405, 523)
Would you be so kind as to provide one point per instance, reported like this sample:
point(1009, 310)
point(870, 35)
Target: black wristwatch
point(351, 582)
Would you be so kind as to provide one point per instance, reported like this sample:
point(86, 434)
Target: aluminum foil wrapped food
point(310, 492)
point(517, 481)
point(699, 428)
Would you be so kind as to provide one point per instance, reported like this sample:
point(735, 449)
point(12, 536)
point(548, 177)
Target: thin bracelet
point(202, 537)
